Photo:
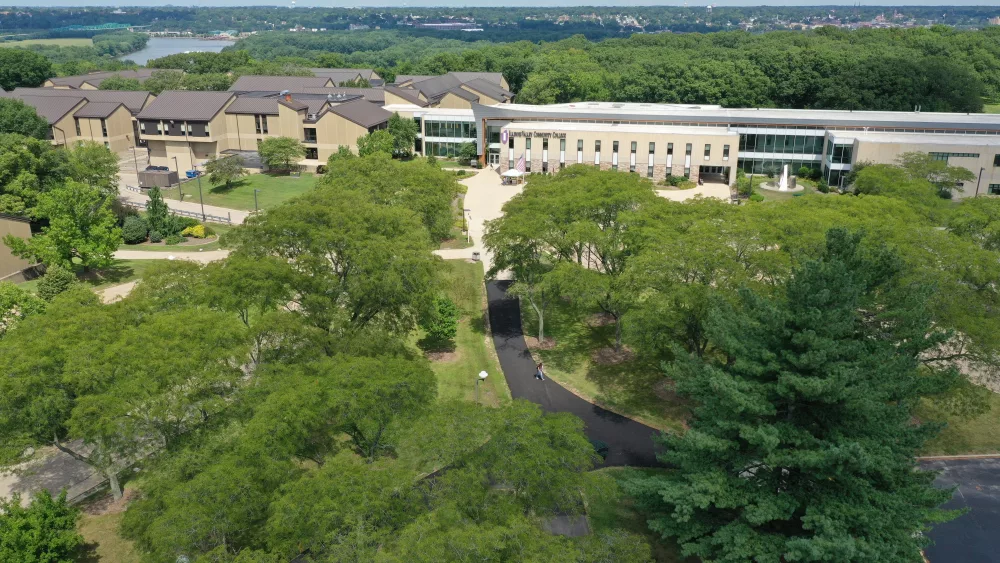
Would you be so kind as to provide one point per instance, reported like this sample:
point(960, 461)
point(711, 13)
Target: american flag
point(520, 164)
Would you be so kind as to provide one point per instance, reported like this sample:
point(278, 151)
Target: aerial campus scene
point(560, 283)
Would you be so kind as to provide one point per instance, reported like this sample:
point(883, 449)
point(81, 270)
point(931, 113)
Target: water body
point(162, 46)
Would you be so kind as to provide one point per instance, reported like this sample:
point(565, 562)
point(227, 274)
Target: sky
point(518, 3)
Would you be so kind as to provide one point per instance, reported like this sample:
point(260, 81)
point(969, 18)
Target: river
point(162, 46)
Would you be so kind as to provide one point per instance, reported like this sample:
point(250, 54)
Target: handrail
point(184, 213)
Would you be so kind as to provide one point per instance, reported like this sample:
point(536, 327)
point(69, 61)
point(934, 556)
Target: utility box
point(158, 178)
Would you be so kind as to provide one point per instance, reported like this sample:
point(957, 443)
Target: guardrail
point(133, 188)
point(183, 213)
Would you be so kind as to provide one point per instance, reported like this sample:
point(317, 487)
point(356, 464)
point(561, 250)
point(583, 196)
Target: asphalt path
point(973, 537)
point(629, 442)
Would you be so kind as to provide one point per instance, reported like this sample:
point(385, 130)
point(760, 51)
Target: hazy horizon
point(464, 3)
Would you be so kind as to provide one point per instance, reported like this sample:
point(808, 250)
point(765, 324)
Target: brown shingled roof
point(133, 100)
point(255, 106)
point(407, 94)
point(186, 104)
point(52, 108)
point(95, 78)
point(373, 95)
point(363, 113)
point(98, 109)
point(277, 83)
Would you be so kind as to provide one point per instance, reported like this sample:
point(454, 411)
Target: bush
point(197, 231)
point(134, 230)
point(756, 197)
point(55, 281)
point(442, 325)
point(174, 239)
point(182, 223)
point(155, 236)
point(823, 187)
point(805, 172)
point(673, 180)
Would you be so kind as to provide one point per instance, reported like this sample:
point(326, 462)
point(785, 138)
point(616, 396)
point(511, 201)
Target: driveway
point(973, 537)
point(629, 442)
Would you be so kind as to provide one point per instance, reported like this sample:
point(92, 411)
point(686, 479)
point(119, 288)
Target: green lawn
point(991, 108)
point(273, 191)
point(965, 435)
point(609, 508)
point(60, 42)
point(633, 387)
point(103, 544)
point(473, 352)
point(457, 238)
point(122, 271)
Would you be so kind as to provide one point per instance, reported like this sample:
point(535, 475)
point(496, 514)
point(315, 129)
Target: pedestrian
point(539, 373)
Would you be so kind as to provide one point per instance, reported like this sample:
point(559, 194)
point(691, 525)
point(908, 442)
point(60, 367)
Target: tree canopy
point(17, 117)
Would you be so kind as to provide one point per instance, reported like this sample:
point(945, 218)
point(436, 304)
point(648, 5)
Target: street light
point(201, 199)
point(255, 208)
point(482, 377)
point(465, 223)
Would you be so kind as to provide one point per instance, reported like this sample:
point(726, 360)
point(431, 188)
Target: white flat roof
point(909, 138)
point(613, 128)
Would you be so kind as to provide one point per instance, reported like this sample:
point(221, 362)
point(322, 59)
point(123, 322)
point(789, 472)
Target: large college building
point(183, 129)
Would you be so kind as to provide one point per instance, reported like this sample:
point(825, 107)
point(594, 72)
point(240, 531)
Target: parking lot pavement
point(973, 537)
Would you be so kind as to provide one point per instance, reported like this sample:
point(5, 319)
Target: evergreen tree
point(802, 445)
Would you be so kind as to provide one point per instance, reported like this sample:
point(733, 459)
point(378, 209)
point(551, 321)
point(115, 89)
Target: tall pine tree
point(802, 444)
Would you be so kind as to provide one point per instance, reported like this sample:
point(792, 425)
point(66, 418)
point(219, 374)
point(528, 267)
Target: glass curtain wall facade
point(762, 153)
point(445, 138)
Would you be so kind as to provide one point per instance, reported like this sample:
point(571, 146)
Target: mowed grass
point(121, 271)
point(991, 108)
point(610, 508)
point(59, 42)
point(457, 369)
point(634, 387)
point(964, 434)
point(273, 191)
point(103, 544)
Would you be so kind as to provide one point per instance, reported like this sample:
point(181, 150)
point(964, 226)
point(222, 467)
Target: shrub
point(442, 324)
point(432, 160)
point(134, 230)
point(823, 187)
point(209, 231)
point(155, 236)
point(174, 239)
point(185, 222)
point(197, 231)
point(55, 281)
point(756, 197)
point(805, 172)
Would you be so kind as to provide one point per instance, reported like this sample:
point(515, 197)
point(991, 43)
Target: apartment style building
point(92, 81)
point(103, 116)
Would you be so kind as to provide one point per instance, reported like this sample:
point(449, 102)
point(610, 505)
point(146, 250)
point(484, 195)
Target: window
point(261, 122)
point(76, 121)
point(452, 129)
point(597, 146)
point(670, 149)
point(579, 145)
point(562, 165)
point(510, 164)
point(309, 134)
point(649, 170)
point(634, 146)
point(842, 154)
point(527, 143)
point(545, 144)
point(996, 160)
point(995, 189)
point(725, 152)
point(687, 172)
point(946, 155)
point(708, 151)
point(510, 142)
point(545, 167)
point(104, 128)
point(687, 151)
point(562, 145)
point(107, 145)
point(652, 148)
point(614, 147)
point(312, 153)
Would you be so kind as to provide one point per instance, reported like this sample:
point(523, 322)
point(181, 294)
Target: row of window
point(819, 128)
point(434, 148)
point(946, 155)
point(775, 166)
point(453, 129)
point(180, 128)
point(260, 121)
point(782, 144)
point(614, 147)
point(839, 154)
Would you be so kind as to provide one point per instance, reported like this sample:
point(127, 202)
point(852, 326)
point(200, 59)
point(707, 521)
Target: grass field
point(273, 191)
point(103, 544)
point(608, 508)
point(965, 435)
point(61, 42)
point(473, 352)
point(121, 271)
point(991, 108)
point(632, 387)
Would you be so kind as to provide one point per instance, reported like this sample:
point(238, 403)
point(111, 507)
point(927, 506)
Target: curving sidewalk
point(629, 442)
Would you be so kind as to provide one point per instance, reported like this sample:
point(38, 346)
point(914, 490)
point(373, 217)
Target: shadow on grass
point(224, 189)
point(115, 273)
point(429, 344)
point(88, 553)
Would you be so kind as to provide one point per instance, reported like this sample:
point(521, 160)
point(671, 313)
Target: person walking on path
point(539, 373)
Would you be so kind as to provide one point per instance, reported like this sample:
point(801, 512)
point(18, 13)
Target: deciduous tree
point(281, 152)
point(225, 170)
point(16, 117)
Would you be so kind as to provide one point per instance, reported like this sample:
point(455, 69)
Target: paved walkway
point(972, 537)
point(200, 257)
point(718, 191)
point(127, 177)
point(629, 442)
point(51, 470)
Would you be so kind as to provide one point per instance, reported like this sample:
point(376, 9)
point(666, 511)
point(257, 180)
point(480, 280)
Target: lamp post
point(201, 199)
point(482, 377)
point(466, 215)
point(255, 208)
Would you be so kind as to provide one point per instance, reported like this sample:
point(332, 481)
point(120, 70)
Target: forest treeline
point(939, 69)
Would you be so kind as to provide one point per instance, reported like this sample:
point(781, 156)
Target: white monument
point(783, 183)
